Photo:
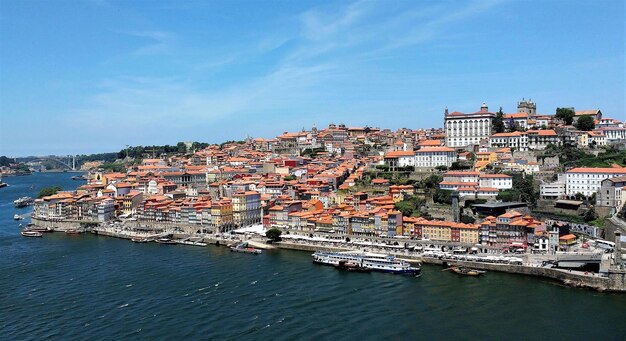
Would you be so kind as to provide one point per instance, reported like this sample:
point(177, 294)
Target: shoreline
point(614, 281)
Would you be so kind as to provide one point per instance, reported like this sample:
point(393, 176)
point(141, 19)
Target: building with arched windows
point(464, 130)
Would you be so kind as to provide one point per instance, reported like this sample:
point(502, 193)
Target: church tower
point(527, 106)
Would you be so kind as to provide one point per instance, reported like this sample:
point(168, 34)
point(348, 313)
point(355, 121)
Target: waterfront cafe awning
point(258, 229)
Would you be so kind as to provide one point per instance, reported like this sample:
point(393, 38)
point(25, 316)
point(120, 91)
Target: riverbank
point(613, 281)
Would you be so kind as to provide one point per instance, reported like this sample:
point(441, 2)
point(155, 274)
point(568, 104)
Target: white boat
point(23, 202)
point(17, 217)
point(374, 261)
point(27, 233)
point(165, 241)
point(189, 242)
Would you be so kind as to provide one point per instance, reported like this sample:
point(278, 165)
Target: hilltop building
point(463, 130)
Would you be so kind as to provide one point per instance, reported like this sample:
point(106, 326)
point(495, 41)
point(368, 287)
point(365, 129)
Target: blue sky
point(94, 76)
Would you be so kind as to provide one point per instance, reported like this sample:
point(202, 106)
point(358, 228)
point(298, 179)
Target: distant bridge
point(66, 161)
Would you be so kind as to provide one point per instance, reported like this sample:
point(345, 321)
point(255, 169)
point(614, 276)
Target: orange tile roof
point(608, 170)
point(434, 149)
point(517, 115)
point(513, 134)
point(492, 176)
point(399, 154)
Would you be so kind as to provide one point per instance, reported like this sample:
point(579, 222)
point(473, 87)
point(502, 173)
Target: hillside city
point(503, 181)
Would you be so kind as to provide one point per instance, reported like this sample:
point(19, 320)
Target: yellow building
point(469, 234)
point(222, 215)
point(483, 159)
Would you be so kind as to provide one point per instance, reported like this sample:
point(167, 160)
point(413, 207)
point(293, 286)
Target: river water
point(86, 287)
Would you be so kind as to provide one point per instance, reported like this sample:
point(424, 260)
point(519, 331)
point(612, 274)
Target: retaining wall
point(616, 280)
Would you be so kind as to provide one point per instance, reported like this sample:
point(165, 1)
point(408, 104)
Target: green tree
point(182, 147)
point(442, 196)
point(459, 165)
point(585, 123)
point(290, 177)
point(498, 122)
point(5, 161)
point(590, 215)
point(113, 167)
point(565, 114)
point(407, 207)
point(47, 191)
point(273, 234)
point(432, 181)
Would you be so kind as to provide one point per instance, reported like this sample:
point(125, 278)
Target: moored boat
point(38, 229)
point(74, 231)
point(139, 240)
point(23, 202)
point(165, 241)
point(374, 261)
point(244, 248)
point(29, 233)
point(352, 266)
point(467, 271)
point(189, 242)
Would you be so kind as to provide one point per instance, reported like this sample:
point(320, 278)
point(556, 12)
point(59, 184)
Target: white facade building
point(588, 180)
point(431, 157)
point(553, 190)
point(400, 159)
point(461, 176)
point(499, 181)
point(467, 129)
point(519, 119)
point(517, 141)
point(614, 134)
point(106, 210)
point(540, 139)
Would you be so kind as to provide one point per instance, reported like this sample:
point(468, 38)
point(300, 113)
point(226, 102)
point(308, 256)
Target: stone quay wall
point(57, 225)
point(615, 281)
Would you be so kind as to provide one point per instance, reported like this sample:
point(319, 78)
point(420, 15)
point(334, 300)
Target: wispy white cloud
point(330, 46)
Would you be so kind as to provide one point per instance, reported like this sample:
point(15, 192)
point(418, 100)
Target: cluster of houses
point(304, 180)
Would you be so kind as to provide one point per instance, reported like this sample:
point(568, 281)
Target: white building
point(596, 138)
point(499, 181)
point(540, 121)
point(461, 176)
point(106, 209)
point(431, 157)
point(467, 129)
point(400, 159)
point(614, 134)
point(540, 139)
point(553, 190)
point(587, 181)
point(457, 185)
point(519, 120)
point(609, 122)
point(517, 141)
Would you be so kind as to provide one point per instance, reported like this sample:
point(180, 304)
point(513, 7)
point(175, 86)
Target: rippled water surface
point(89, 287)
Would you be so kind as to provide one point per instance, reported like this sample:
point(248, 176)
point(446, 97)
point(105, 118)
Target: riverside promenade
point(614, 280)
